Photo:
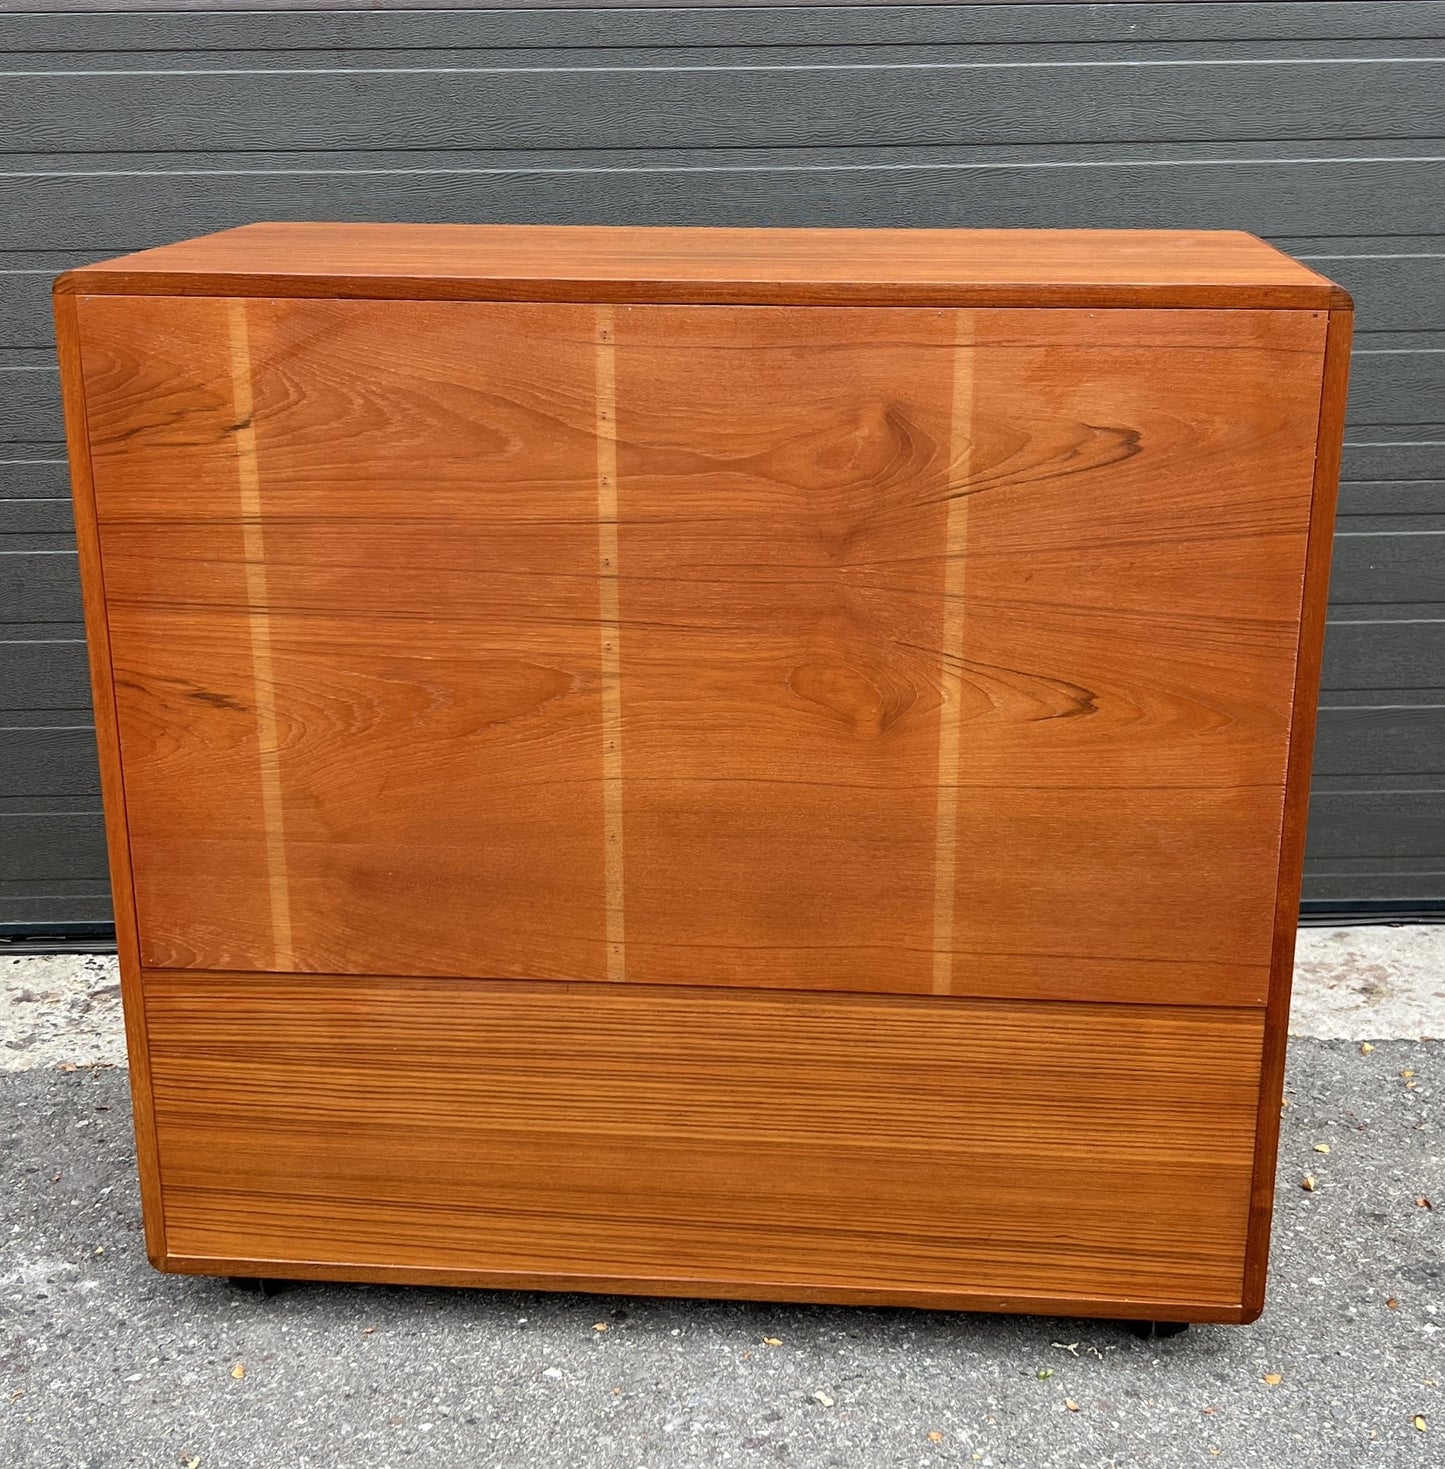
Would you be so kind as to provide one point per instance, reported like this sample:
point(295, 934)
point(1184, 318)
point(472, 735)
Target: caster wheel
point(257, 1285)
point(1155, 1330)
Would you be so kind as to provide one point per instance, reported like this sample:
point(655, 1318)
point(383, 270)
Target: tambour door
point(893, 649)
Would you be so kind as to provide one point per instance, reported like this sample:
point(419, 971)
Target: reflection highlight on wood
point(258, 616)
point(950, 673)
point(610, 624)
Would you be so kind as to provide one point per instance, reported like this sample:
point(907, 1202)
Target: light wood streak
point(611, 634)
point(950, 680)
point(258, 600)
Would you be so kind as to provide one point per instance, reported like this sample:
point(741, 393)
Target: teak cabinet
point(714, 762)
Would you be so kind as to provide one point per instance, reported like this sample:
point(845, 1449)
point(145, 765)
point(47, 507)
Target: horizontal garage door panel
point(817, 100)
point(1404, 883)
point(1395, 385)
point(44, 585)
point(1366, 655)
point(73, 909)
point(1402, 739)
point(1392, 504)
point(1394, 290)
point(1316, 125)
point(48, 672)
point(29, 401)
point(35, 846)
point(63, 205)
point(1347, 824)
point(33, 479)
point(936, 24)
point(48, 760)
point(1405, 565)
point(1416, 452)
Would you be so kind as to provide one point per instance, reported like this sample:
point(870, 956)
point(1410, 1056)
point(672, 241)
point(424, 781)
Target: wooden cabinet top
point(945, 267)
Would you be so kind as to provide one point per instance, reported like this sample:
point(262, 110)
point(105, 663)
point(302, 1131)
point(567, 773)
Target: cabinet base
point(977, 1155)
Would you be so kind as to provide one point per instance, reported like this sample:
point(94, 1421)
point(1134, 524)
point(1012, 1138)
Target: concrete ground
point(103, 1362)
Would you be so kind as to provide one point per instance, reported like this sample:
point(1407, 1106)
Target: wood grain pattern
point(783, 493)
point(828, 1147)
point(430, 527)
point(839, 267)
point(1138, 488)
point(1137, 543)
point(726, 624)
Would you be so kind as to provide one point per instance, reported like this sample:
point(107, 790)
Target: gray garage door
point(1318, 126)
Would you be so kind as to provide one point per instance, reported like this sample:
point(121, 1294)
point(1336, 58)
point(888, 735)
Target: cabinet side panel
point(71, 324)
point(1331, 428)
point(917, 1148)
